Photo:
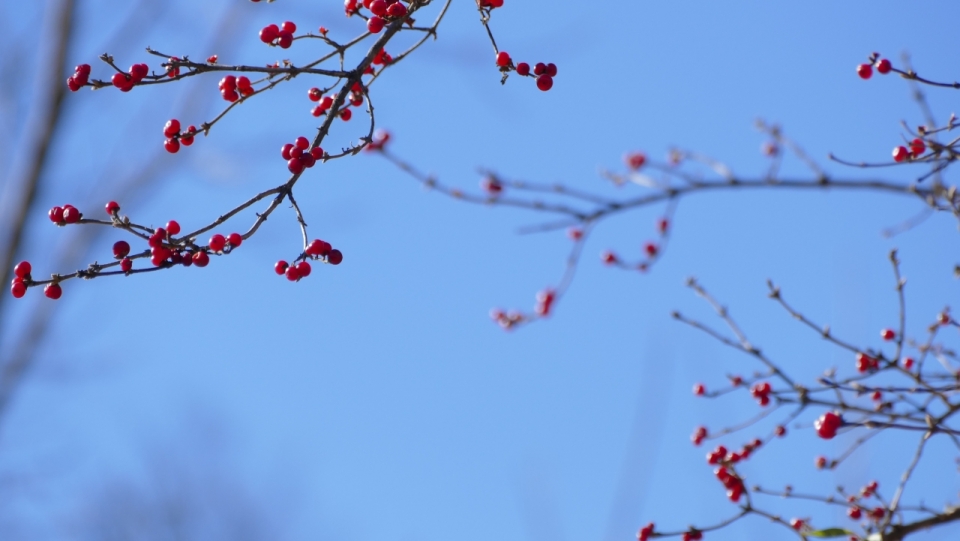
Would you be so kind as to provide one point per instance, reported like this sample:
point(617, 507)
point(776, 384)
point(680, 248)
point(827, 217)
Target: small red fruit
point(651, 249)
point(235, 239)
point(780, 431)
point(280, 267)
point(56, 215)
point(821, 462)
point(302, 143)
point(285, 39)
point(635, 160)
point(854, 513)
point(217, 243)
point(883, 66)
point(797, 524)
point(503, 59)
point(22, 269)
point(288, 26)
point(827, 425)
point(126, 264)
point(608, 257)
point(201, 259)
point(900, 154)
point(699, 389)
point(112, 207)
point(173, 228)
point(345, 114)
point(523, 68)
point(53, 291)
point(544, 82)
point(917, 147)
point(375, 25)
point(334, 257)
point(18, 289)
point(172, 145)
point(293, 273)
point(171, 128)
point(303, 269)
point(865, 71)
point(888, 334)
point(908, 363)
point(120, 249)
point(71, 215)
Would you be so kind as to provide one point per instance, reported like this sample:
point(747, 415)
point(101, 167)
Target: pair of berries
point(545, 300)
point(827, 425)
point(698, 435)
point(231, 87)
point(761, 391)
point(278, 35)
point(323, 102)
point(298, 157)
point(21, 274)
point(492, 4)
point(865, 71)
point(917, 148)
point(126, 81)
point(175, 138)
point(81, 74)
point(67, 214)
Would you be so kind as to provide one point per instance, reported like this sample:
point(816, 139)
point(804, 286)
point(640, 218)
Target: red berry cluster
point(917, 148)
point(126, 81)
point(324, 102)
point(545, 300)
point(299, 157)
point(865, 363)
point(543, 72)
point(797, 524)
point(382, 58)
point(645, 532)
point(174, 137)
point(21, 274)
point(317, 249)
point(381, 11)
point(491, 185)
point(699, 389)
point(888, 334)
point(827, 425)
point(79, 78)
point(231, 87)
point(635, 160)
point(173, 71)
point(731, 481)
point(761, 391)
point(67, 214)
point(278, 35)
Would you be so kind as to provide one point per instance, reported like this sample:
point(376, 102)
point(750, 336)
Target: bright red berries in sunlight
point(523, 69)
point(797, 524)
point(375, 24)
point(697, 535)
point(866, 363)
point(608, 257)
point(544, 82)
point(545, 300)
point(172, 145)
point(81, 74)
point(112, 207)
point(865, 71)
point(22, 270)
point(917, 148)
point(827, 425)
point(900, 154)
point(218, 242)
point(121, 249)
point(854, 513)
point(644, 533)
point(698, 435)
point(780, 431)
point(908, 363)
point(280, 267)
point(883, 66)
point(503, 59)
point(888, 334)
point(699, 389)
point(335, 257)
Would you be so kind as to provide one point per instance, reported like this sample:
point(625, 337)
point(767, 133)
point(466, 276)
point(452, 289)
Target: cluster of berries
point(650, 248)
point(323, 102)
point(175, 138)
point(278, 35)
point(543, 72)
point(645, 532)
point(761, 391)
point(126, 81)
point(317, 249)
point(81, 74)
point(827, 425)
point(698, 435)
point(731, 481)
point(865, 363)
point(231, 87)
point(381, 12)
point(21, 274)
point(917, 148)
point(299, 157)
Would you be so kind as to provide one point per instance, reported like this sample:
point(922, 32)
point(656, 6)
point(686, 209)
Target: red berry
point(345, 114)
point(53, 291)
point(575, 233)
point(243, 83)
point(503, 59)
point(865, 363)
point(797, 524)
point(293, 273)
point(491, 185)
point(285, 40)
point(378, 7)
point(201, 259)
point(235, 239)
point(900, 154)
point(296, 152)
point(908, 363)
point(230, 95)
point(18, 289)
point(780, 431)
point(375, 25)
point(540, 68)
point(269, 33)
point(699, 389)
point(888, 334)
point(171, 128)
point(883, 66)
point(319, 248)
point(877, 396)
point(308, 160)
point(22, 269)
point(317, 153)
point(186, 139)
point(651, 249)
point(334, 257)
point(172, 145)
point(523, 68)
point(396, 10)
point(120, 249)
point(917, 147)
point(56, 215)
point(609, 257)
point(217, 243)
point(285, 151)
point(295, 165)
point(173, 227)
point(229, 82)
point(635, 160)
point(280, 267)
point(126, 264)
point(288, 26)
point(71, 215)
point(303, 269)
point(943, 318)
point(544, 82)
point(877, 513)
point(112, 207)
point(302, 143)
point(644, 533)
point(821, 462)
point(864, 71)
point(551, 69)
point(854, 513)
point(314, 94)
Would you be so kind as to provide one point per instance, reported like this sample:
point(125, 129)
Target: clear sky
point(376, 400)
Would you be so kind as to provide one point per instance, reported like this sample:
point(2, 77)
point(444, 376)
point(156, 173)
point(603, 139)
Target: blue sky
point(375, 400)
